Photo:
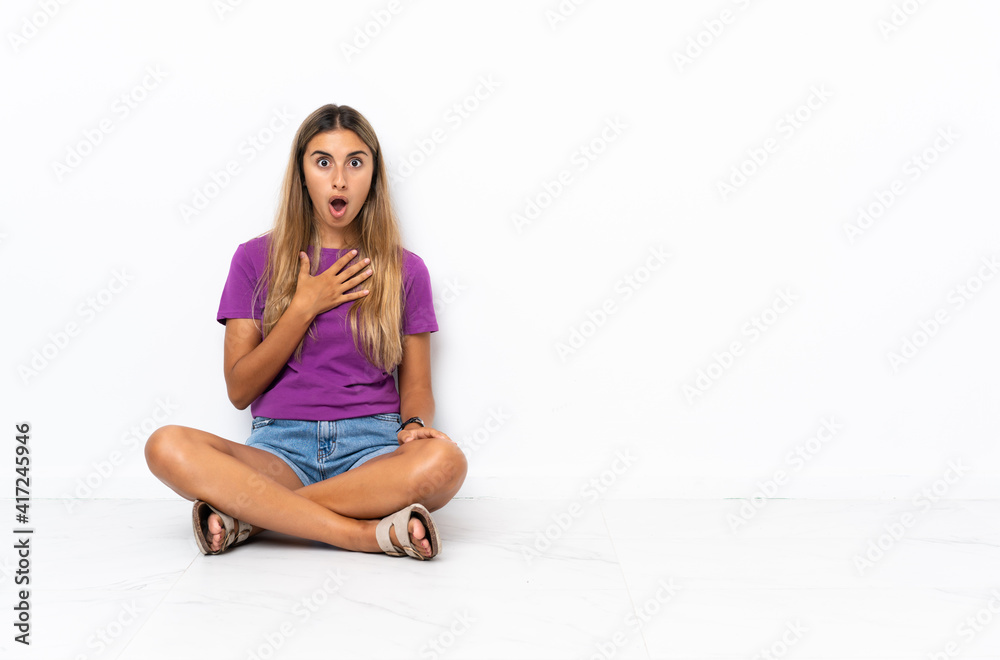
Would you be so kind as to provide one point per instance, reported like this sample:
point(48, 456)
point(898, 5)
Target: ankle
point(364, 539)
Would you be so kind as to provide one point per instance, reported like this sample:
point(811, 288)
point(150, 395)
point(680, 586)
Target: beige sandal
point(237, 531)
point(401, 521)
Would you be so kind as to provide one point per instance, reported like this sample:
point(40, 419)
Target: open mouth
point(338, 205)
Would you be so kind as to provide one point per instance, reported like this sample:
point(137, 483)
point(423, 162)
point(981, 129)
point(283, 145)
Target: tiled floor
point(524, 579)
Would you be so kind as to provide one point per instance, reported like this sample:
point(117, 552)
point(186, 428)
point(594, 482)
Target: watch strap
point(410, 421)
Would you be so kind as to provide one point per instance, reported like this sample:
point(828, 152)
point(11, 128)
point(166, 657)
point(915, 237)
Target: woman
point(318, 313)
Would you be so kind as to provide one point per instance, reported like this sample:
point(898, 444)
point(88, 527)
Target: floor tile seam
point(156, 607)
point(628, 588)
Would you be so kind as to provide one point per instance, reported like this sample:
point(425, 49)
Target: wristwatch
point(410, 421)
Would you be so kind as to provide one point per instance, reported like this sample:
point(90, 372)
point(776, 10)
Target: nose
point(338, 179)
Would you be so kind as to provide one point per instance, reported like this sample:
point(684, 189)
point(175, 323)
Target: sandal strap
point(382, 535)
point(234, 531)
point(237, 531)
point(401, 522)
point(244, 531)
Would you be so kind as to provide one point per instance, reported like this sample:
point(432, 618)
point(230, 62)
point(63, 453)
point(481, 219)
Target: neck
point(335, 240)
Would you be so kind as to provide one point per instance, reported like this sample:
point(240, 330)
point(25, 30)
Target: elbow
point(238, 399)
point(240, 403)
point(236, 392)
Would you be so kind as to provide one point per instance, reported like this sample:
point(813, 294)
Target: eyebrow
point(353, 153)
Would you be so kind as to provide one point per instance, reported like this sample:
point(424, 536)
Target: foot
point(217, 531)
point(418, 537)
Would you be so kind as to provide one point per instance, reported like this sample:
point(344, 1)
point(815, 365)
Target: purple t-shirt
point(334, 380)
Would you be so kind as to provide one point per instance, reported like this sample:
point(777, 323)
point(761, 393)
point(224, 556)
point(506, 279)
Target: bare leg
point(429, 471)
point(259, 488)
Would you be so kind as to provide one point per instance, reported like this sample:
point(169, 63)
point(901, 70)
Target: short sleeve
point(237, 294)
point(418, 307)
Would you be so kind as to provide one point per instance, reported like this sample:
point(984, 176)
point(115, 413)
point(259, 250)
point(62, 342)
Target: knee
point(165, 448)
point(440, 473)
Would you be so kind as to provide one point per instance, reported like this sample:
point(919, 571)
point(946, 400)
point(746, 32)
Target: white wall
point(517, 290)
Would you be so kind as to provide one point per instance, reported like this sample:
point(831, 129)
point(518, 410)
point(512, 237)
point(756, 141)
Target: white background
point(154, 348)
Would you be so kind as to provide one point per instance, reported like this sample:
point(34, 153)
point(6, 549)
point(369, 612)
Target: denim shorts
point(319, 450)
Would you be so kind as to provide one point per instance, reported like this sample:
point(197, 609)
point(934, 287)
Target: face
point(338, 170)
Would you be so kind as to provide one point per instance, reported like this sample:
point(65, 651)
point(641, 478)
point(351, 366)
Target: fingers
point(353, 270)
point(341, 272)
point(431, 432)
point(416, 434)
point(340, 266)
point(359, 278)
point(334, 271)
point(406, 436)
point(333, 287)
point(346, 258)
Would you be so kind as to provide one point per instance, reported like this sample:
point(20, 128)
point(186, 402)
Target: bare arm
point(416, 399)
point(250, 364)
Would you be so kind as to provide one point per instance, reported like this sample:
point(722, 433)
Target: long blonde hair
point(376, 319)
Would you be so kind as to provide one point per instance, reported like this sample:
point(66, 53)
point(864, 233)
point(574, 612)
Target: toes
point(216, 530)
point(418, 536)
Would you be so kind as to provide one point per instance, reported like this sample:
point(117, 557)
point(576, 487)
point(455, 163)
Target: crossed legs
point(259, 488)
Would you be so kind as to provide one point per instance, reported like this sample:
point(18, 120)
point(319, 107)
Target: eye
point(356, 160)
point(322, 162)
